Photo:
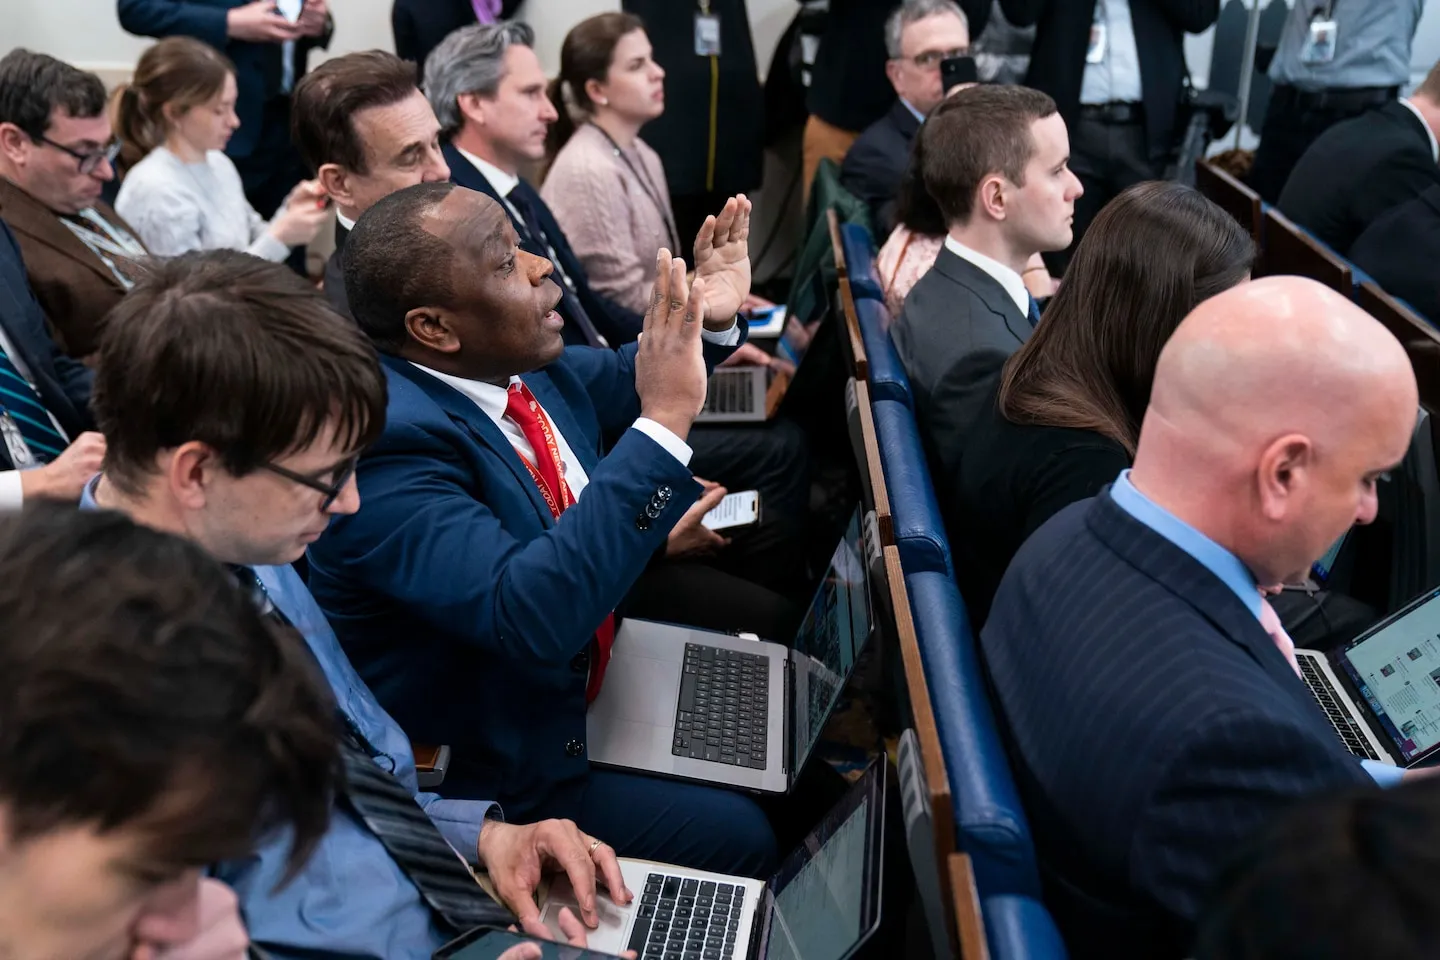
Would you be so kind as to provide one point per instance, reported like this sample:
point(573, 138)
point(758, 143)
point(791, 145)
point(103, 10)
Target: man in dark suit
point(269, 41)
point(918, 37)
point(56, 150)
point(420, 25)
point(1150, 700)
point(1363, 167)
point(493, 526)
point(995, 164)
point(44, 399)
point(1400, 250)
point(1116, 68)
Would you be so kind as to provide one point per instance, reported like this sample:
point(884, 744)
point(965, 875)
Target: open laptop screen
point(834, 631)
point(825, 899)
point(1396, 668)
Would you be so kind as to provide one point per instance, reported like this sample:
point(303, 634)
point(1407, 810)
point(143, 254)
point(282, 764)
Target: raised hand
point(670, 374)
point(722, 260)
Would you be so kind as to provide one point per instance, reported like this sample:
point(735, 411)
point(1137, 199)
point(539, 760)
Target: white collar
point(491, 400)
point(344, 221)
point(502, 182)
point(1434, 144)
point(913, 112)
point(1002, 274)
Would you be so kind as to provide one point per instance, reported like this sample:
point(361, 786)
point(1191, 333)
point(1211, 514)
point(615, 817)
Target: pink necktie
point(1270, 622)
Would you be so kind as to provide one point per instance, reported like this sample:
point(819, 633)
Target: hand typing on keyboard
point(515, 856)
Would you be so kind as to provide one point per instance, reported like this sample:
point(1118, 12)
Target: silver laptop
point(1381, 691)
point(822, 904)
point(753, 394)
point(714, 708)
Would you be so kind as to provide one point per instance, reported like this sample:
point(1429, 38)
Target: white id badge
point(1099, 40)
point(707, 35)
point(1319, 46)
point(20, 456)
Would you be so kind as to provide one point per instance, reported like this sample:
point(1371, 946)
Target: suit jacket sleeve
point(959, 398)
point(168, 18)
point(536, 601)
point(863, 173)
point(1225, 782)
point(28, 326)
point(1192, 16)
point(1411, 175)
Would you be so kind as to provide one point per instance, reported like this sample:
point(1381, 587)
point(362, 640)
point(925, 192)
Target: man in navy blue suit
point(476, 591)
point(48, 447)
point(1151, 703)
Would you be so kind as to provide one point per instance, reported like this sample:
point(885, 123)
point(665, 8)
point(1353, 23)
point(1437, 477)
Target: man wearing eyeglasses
point(234, 402)
point(56, 153)
point(918, 36)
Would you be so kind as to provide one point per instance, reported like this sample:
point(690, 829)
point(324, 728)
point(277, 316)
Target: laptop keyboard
point(724, 705)
point(1345, 726)
point(731, 391)
point(686, 919)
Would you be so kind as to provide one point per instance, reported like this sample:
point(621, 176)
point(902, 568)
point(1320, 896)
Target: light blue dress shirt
point(1117, 77)
point(913, 112)
point(351, 900)
point(1219, 561)
point(1372, 44)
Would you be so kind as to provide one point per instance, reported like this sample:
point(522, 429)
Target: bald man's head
point(1276, 407)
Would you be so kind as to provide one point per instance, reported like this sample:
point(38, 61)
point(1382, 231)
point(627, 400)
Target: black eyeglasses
point(90, 160)
point(331, 490)
point(930, 59)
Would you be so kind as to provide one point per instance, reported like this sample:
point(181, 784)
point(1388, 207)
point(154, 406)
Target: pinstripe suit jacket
point(1153, 725)
point(63, 384)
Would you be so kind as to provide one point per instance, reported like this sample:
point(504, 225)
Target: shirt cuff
point(1384, 774)
point(722, 338)
point(673, 445)
point(269, 247)
point(459, 822)
point(12, 494)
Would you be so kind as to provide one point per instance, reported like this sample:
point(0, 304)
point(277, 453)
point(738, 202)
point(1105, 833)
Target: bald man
point(1153, 723)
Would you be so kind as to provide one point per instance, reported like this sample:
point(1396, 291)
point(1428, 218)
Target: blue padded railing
point(888, 380)
point(1020, 927)
point(859, 250)
point(914, 511)
point(989, 820)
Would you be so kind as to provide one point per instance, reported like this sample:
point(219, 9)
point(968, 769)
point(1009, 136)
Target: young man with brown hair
point(151, 722)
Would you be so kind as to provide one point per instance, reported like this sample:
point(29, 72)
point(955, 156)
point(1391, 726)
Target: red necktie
point(548, 472)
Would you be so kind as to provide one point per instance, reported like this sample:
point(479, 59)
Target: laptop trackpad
point(642, 690)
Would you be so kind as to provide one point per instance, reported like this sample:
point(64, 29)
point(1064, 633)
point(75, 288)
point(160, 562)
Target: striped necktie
point(20, 402)
point(388, 808)
point(1034, 313)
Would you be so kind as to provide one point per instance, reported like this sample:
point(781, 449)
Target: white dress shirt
point(1116, 78)
point(12, 494)
point(1002, 274)
point(493, 400)
point(1434, 144)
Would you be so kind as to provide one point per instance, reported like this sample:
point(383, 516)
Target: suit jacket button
point(581, 662)
point(574, 748)
point(642, 523)
point(664, 493)
point(653, 510)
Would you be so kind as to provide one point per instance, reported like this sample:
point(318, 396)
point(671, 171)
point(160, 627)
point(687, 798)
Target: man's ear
point(432, 328)
point(472, 107)
point(892, 73)
point(190, 469)
point(15, 143)
point(335, 181)
point(1286, 468)
point(990, 197)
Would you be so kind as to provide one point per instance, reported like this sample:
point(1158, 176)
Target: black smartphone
point(486, 943)
point(957, 70)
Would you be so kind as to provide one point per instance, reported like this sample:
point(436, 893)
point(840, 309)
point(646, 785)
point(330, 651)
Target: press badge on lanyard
point(1099, 36)
point(707, 32)
point(1320, 41)
point(20, 455)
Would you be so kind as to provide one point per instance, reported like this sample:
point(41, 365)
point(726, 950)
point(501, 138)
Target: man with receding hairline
point(1151, 706)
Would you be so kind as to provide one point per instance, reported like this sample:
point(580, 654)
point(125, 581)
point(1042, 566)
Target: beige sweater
point(614, 220)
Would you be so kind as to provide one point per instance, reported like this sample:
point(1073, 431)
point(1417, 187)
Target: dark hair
point(1151, 255)
point(915, 209)
point(237, 353)
point(974, 134)
point(177, 70)
point(393, 264)
point(141, 690)
point(586, 54)
point(326, 99)
point(34, 85)
point(1350, 876)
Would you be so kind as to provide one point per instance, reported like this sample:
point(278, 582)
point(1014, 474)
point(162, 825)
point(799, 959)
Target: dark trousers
point(1108, 158)
point(696, 594)
point(1293, 121)
point(273, 168)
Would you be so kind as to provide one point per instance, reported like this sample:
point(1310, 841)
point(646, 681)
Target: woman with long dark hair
point(1068, 404)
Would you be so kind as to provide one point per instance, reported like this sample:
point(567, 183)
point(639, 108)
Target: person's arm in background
point(402, 25)
point(1192, 16)
point(258, 22)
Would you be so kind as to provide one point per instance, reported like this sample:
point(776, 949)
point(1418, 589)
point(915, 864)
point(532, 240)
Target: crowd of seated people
point(268, 541)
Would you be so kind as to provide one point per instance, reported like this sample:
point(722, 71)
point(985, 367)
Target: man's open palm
point(722, 257)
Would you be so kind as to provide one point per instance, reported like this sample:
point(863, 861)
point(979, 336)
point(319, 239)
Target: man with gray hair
point(918, 36)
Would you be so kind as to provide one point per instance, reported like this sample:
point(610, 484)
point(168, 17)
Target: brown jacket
point(73, 286)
